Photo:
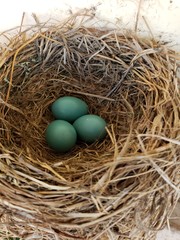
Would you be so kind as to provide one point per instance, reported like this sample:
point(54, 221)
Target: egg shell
point(60, 136)
point(90, 128)
point(69, 108)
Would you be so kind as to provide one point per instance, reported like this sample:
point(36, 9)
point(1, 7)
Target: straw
point(121, 188)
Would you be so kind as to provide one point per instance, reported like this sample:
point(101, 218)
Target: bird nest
point(124, 187)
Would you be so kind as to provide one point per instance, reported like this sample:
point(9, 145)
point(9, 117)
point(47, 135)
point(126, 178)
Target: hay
point(122, 188)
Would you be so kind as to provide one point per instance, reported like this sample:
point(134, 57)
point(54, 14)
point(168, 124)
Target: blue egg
point(69, 108)
point(90, 128)
point(60, 136)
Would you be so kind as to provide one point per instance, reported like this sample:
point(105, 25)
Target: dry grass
point(122, 188)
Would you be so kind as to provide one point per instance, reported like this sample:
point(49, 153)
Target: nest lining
point(125, 186)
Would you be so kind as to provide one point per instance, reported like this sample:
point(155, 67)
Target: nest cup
point(125, 186)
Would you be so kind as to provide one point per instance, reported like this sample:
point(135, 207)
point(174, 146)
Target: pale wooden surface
point(159, 16)
point(174, 232)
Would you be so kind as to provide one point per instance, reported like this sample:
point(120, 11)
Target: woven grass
point(124, 187)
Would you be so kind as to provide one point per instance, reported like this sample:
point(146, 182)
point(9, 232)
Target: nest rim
point(107, 190)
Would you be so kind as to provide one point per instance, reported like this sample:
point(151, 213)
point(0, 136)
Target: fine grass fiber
point(124, 187)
